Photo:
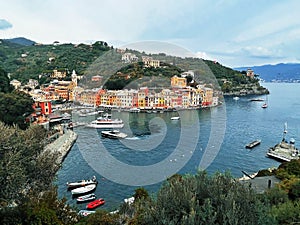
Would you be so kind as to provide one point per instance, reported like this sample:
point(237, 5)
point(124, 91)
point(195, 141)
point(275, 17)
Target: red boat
point(95, 203)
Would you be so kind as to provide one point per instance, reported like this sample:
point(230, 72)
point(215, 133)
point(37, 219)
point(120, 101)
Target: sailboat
point(265, 105)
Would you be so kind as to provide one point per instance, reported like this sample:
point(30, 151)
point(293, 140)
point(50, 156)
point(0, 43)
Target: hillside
point(37, 61)
point(283, 72)
point(21, 41)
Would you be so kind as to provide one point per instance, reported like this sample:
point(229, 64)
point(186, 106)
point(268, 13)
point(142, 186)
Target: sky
point(233, 32)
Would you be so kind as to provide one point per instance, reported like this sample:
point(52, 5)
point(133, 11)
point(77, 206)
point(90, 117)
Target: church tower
point(74, 78)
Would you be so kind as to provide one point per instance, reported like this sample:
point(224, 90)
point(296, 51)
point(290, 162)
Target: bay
point(212, 139)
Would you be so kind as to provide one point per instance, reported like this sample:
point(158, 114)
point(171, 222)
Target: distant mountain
point(21, 41)
point(283, 72)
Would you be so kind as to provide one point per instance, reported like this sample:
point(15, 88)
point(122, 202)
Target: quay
point(61, 146)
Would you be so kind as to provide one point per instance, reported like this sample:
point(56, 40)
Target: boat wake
point(132, 138)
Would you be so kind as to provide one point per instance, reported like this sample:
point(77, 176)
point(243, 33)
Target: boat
point(106, 122)
point(84, 189)
point(175, 118)
point(265, 105)
point(130, 200)
point(134, 110)
point(86, 198)
point(114, 134)
point(284, 151)
point(253, 144)
point(95, 203)
point(85, 212)
point(236, 98)
point(256, 100)
point(82, 183)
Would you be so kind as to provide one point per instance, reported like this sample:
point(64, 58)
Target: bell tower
point(74, 78)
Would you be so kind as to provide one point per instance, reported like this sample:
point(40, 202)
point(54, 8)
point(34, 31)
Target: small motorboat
point(175, 118)
point(95, 203)
point(86, 198)
point(114, 134)
point(84, 189)
point(82, 183)
point(85, 212)
point(265, 105)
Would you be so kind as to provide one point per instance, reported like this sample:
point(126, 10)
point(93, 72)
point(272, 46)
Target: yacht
point(105, 122)
point(114, 134)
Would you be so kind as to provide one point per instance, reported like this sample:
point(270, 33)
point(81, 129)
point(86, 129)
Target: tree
point(4, 82)
point(202, 199)
point(15, 107)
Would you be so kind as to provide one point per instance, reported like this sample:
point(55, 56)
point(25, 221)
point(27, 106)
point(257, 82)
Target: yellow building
point(57, 74)
point(178, 82)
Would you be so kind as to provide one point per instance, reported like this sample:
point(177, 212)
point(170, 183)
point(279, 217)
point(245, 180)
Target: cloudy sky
point(232, 32)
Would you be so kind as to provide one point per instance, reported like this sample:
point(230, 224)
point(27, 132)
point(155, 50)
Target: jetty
point(61, 146)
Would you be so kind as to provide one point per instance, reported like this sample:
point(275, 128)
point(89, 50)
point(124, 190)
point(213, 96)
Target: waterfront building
point(207, 96)
point(143, 97)
point(88, 97)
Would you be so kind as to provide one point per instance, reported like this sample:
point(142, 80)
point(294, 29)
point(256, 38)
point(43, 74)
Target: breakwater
point(61, 146)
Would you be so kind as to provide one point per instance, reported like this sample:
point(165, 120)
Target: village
point(63, 93)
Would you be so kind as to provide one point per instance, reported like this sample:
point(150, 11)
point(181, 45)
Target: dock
point(253, 144)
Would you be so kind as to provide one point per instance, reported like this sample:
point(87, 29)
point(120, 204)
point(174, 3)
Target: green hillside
point(38, 61)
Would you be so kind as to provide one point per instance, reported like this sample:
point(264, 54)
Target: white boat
point(175, 118)
point(105, 122)
point(236, 98)
point(265, 105)
point(134, 110)
point(82, 183)
point(114, 134)
point(86, 198)
point(84, 189)
point(85, 212)
point(130, 200)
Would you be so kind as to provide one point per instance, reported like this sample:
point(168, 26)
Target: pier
point(61, 146)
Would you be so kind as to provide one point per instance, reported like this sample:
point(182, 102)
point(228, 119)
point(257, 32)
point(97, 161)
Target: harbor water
point(157, 147)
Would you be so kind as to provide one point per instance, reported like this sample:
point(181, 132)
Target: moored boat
point(256, 100)
point(253, 144)
point(114, 134)
point(105, 122)
point(81, 183)
point(83, 190)
point(175, 118)
point(284, 151)
point(86, 198)
point(85, 212)
point(95, 203)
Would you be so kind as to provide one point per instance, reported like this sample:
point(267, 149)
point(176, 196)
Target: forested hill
point(37, 61)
